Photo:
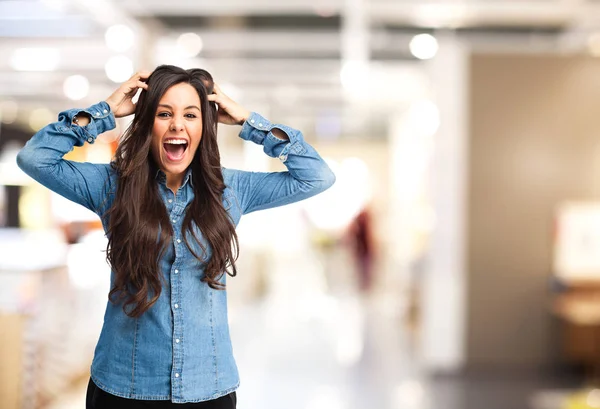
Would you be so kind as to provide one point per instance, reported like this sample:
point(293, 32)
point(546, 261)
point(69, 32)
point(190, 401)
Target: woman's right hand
point(120, 101)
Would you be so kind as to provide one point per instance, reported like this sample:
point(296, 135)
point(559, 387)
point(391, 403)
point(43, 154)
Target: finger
point(224, 97)
point(217, 89)
point(142, 74)
point(212, 97)
point(138, 76)
point(142, 85)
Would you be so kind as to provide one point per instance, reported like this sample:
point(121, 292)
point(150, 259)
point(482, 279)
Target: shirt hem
point(216, 395)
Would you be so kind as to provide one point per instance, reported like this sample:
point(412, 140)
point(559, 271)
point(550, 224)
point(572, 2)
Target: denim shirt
point(180, 349)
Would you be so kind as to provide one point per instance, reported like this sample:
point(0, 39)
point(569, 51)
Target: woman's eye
point(190, 115)
point(163, 114)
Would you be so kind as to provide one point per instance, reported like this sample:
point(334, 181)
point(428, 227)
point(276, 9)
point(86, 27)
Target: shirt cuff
point(101, 120)
point(256, 128)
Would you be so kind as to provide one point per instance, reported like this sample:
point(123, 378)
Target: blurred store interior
point(454, 264)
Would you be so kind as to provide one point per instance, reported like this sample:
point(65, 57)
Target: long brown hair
point(139, 229)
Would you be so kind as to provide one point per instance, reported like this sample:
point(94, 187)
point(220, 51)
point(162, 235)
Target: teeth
point(176, 142)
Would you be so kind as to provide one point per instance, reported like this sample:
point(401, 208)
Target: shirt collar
point(161, 177)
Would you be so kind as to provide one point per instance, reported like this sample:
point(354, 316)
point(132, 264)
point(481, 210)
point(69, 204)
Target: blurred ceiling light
point(38, 118)
point(424, 117)
point(189, 44)
point(76, 87)
point(119, 37)
point(424, 46)
point(593, 44)
point(354, 76)
point(8, 111)
point(119, 68)
point(35, 59)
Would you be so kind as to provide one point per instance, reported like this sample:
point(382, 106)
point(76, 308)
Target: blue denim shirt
point(180, 349)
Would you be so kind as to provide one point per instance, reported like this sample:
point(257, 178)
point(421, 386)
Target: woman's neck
point(174, 182)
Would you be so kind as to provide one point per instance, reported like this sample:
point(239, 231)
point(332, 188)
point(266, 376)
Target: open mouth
point(175, 149)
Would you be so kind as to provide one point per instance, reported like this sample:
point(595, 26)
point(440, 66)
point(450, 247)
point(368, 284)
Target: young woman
point(169, 211)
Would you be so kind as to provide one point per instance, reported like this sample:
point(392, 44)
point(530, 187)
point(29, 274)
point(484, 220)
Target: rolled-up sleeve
point(307, 173)
point(81, 182)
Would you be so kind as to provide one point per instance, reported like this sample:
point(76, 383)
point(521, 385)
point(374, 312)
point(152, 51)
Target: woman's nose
point(176, 126)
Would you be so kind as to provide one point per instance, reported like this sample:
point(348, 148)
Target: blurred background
point(454, 264)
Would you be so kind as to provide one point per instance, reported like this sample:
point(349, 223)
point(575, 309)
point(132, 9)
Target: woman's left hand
point(230, 112)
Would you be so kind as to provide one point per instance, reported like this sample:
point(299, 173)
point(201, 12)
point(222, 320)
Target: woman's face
point(177, 131)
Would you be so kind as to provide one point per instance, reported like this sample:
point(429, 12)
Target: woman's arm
point(84, 183)
point(42, 156)
point(307, 173)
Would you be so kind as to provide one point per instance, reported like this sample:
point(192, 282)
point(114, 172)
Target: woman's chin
point(175, 168)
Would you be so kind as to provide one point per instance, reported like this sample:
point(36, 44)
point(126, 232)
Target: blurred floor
point(351, 357)
point(355, 358)
point(316, 346)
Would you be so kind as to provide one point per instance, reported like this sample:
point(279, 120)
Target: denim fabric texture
point(180, 349)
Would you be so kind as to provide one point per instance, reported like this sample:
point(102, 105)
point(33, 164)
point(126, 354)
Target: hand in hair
point(120, 101)
point(230, 112)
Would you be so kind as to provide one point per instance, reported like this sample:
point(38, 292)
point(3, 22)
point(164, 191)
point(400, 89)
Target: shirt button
point(170, 200)
point(97, 113)
point(177, 340)
point(174, 220)
point(176, 375)
point(105, 111)
point(176, 271)
point(178, 241)
point(90, 140)
point(176, 305)
point(252, 120)
point(259, 124)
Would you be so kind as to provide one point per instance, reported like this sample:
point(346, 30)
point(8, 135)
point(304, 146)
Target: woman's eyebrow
point(188, 107)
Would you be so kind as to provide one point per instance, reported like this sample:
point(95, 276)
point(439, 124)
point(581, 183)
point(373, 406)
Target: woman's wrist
point(81, 119)
point(111, 105)
point(244, 118)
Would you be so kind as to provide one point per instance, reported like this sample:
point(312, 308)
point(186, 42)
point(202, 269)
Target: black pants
point(98, 399)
